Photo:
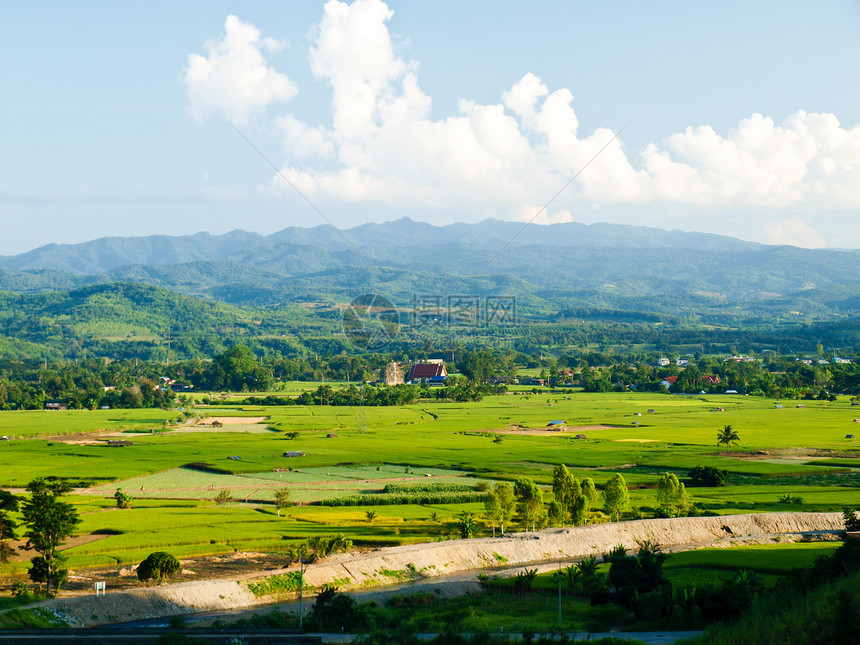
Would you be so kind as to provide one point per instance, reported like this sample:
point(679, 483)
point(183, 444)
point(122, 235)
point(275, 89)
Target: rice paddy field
point(174, 473)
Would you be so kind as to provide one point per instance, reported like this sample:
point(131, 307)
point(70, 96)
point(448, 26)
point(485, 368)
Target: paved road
point(128, 636)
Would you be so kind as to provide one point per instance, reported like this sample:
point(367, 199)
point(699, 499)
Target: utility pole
point(559, 596)
point(301, 586)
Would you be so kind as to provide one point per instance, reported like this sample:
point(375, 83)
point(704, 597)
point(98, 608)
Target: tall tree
point(564, 487)
point(589, 491)
point(501, 504)
point(726, 437)
point(49, 522)
point(671, 495)
point(282, 499)
point(616, 496)
point(8, 504)
point(530, 499)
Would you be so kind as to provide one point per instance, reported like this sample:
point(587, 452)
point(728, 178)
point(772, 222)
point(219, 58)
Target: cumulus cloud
point(233, 78)
point(383, 146)
point(794, 232)
point(539, 215)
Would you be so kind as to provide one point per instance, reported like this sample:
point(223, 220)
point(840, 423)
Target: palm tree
point(727, 436)
point(467, 525)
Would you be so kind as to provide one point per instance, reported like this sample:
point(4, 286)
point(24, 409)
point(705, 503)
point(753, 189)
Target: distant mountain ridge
point(110, 253)
point(549, 268)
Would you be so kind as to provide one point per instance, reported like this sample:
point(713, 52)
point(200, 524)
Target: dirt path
point(430, 560)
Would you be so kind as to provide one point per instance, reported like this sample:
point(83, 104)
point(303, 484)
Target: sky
point(133, 118)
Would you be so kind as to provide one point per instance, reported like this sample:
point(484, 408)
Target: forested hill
point(704, 278)
point(122, 320)
point(137, 321)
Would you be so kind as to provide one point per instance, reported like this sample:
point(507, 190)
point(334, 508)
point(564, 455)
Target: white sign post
point(100, 586)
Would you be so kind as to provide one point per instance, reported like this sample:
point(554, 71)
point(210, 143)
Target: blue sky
point(742, 118)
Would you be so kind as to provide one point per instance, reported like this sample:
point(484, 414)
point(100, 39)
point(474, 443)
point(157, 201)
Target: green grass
point(441, 439)
point(695, 568)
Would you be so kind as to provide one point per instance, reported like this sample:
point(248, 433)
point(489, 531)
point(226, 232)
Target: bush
point(707, 476)
point(123, 500)
point(158, 566)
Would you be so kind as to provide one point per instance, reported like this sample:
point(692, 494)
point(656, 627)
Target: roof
point(427, 370)
point(556, 422)
point(671, 379)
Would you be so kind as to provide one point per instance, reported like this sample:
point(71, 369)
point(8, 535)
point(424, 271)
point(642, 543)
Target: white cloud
point(538, 215)
point(233, 79)
point(383, 146)
point(794, 232)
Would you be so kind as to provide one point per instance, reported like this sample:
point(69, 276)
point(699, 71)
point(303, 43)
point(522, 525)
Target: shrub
point(122, 500)
point(158, 566)
point(707, 476)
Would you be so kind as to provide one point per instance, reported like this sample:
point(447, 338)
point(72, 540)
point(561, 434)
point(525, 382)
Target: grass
point(697, 568)
point(402, 445)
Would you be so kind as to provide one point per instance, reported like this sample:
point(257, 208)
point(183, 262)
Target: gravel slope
point(424, 561)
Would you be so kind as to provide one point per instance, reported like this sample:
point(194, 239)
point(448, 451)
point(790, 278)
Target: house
point(56, 404)
point(427, 370)
point(556, 424)
point(669, 381)
point(712, 379)
point(682, 362)
point(119, 443)
point(663, 362)
point(293, 453)
point(841, 361)
point(501, 380)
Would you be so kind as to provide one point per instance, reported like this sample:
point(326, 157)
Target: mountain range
point(549, 268)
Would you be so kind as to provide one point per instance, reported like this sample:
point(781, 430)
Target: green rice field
point(802, 452)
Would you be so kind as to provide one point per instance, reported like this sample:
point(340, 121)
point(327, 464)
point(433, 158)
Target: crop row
point(385, 499)
point(435, 487)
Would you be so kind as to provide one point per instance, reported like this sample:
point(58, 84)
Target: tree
point(850, 519)
point(8, 504)
point(467, 525)
point(566, 489)
point(671, 495)
point(589, 491)
point(726, 437)
point(158, 566)
point(282, 499)
point(122, 500)
point(616, 496)
point(49, 523)
point(556, 513)
point(223, 497)
point(501, 504)
point(579, 510)
point(530, 500)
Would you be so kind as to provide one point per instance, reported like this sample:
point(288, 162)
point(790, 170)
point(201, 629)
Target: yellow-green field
point(798, 451)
